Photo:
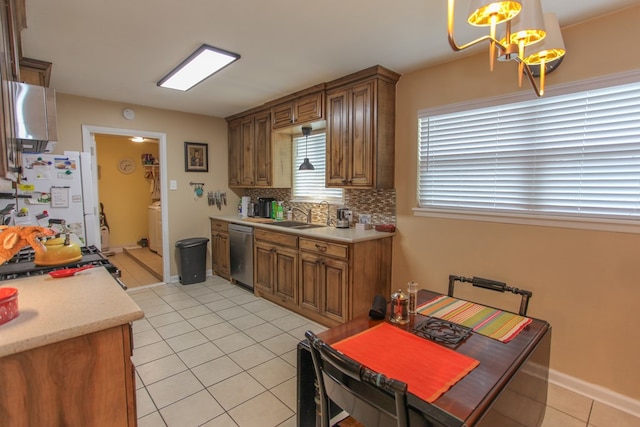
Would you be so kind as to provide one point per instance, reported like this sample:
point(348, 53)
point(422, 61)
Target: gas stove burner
point(22, 265)
point(442, 331)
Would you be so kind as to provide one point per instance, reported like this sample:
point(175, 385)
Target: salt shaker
point(413, 296)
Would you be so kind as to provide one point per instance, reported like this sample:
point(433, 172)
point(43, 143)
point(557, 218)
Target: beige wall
point(585, 283)
point(188, 215)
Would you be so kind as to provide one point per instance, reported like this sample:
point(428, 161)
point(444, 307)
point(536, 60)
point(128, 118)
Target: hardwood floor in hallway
point(139, 267)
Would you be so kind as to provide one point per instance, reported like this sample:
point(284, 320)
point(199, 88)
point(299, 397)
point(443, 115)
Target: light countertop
point(53, 310)
point(347, 235)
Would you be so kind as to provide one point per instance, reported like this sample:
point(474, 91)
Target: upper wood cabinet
point(361, 129)
point(250, 150)
point(35, 72)
point(298, 111)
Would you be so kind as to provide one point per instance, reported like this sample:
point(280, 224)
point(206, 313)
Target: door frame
point(89, 145)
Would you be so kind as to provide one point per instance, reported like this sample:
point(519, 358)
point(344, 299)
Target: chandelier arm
point(527, 71)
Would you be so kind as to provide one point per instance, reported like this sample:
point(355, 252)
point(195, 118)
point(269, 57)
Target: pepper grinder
point(399, 308)
point(413, 297)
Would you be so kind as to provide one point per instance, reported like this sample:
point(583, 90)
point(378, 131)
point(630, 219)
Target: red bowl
point(8, 304)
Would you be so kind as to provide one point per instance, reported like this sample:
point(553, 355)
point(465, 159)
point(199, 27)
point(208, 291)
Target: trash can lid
point(193, 241)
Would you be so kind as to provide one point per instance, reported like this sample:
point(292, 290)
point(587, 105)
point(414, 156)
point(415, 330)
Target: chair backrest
point(368, 396)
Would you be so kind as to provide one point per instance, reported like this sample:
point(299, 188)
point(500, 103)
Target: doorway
point(89, 145)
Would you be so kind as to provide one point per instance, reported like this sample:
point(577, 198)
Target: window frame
point(551, 220)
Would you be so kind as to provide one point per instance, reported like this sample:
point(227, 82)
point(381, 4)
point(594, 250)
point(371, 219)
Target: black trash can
point(192, 260)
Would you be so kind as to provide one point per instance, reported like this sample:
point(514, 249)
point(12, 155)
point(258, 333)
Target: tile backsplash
point(380, 204)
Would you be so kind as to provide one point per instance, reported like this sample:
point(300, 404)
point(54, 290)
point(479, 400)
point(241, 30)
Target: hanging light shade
point(524, 30)
point(306, 165)
point(490, 13)
point(551, 48)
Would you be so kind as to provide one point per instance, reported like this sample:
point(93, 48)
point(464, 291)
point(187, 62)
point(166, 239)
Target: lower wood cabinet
point(220, 248)
point(327, 281)
point(276, 265)
point(84, 381)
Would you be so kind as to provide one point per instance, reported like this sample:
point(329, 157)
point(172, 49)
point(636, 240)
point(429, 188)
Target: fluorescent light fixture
point(201, 64)
point(137, 139)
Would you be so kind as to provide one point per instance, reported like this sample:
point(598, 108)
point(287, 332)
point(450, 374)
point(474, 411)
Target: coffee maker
point(264, 207)
point(343, 218)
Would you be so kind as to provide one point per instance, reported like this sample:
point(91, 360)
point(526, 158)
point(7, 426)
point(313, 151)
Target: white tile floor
point(212, 354)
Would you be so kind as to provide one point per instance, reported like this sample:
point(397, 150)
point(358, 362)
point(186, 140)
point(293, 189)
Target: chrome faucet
point(328, 213)
point(307, 213)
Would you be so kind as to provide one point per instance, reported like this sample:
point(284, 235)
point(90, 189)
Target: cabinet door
point(337, 138)
point(361, 135)
point(334, 290)
point(309, 108)
point(263, 267)
point(286, 275)
point(263, 149)
point(283, 115)
point(220, 253)
point(247, 135)
point(235, 153)
point(309, 282)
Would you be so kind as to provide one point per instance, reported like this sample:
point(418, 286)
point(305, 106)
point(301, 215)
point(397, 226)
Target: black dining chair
point(367, 396)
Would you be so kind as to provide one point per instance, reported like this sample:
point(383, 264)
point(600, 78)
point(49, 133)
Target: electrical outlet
point(173, 184)
point(365, 219)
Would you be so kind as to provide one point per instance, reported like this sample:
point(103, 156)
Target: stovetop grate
point(442, 331)
point(22, 264)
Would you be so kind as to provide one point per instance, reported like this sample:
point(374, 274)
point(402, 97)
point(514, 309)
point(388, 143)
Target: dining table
point(504, 382)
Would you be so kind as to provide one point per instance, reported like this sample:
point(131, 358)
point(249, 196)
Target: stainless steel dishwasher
point(241, 248)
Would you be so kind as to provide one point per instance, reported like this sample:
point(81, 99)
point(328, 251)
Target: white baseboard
point(596, 392)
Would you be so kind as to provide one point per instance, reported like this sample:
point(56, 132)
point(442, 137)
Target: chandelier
point(530, 38)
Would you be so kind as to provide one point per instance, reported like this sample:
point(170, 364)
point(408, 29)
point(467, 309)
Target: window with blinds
point(309, 185)
point(574, 155)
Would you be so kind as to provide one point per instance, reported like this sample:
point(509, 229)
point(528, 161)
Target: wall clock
point(126, 165)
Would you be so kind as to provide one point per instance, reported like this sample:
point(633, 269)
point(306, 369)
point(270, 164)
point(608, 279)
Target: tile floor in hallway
point(212, 354)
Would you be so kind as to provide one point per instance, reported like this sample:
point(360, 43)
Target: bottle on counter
point(274, 208)
point(413, 296)
point(289, 215)
point(279, 212)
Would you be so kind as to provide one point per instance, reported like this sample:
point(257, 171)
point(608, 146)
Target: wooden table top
point(470, 397)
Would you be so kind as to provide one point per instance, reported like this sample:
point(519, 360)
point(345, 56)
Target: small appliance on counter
point(264, 206)
point(343, 218)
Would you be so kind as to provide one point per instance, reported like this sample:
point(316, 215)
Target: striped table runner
point(497, 324)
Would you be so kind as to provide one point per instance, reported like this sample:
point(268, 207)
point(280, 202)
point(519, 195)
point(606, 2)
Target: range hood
point(35, 123)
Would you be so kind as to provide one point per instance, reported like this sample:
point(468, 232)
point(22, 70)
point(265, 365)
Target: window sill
point(613, 225)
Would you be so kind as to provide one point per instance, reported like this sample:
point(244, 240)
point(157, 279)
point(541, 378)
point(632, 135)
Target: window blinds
point(309, 185)
point(576, 154)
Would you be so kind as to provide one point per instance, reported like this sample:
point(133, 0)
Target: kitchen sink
point(295, 224)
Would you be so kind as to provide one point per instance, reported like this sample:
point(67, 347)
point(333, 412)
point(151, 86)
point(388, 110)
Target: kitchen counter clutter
point(346, 235)
point(326, 274)
point(53, 310)
point(72, 342)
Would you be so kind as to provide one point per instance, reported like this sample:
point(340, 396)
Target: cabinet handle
point(273, 250)
point(321, 248)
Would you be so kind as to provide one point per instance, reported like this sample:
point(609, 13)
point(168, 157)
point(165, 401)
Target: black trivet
point(442, 331)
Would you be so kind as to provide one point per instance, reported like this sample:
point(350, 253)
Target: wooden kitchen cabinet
point(298, 111)
point(276, 266)
point(35, 72)
point(361, 129)
point(327, 281)
point(220, 263)
point(84, 381)
point(251, 155)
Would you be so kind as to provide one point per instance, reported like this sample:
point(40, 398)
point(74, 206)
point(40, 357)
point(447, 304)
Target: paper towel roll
point(245, 206)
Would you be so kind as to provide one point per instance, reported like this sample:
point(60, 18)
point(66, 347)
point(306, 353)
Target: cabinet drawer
point(219, 226)
point(324, 248)
point(276, 238)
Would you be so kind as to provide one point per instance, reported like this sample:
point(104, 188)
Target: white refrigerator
point(59, 187)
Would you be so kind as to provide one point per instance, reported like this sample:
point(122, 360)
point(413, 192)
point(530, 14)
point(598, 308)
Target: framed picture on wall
point(196, 157)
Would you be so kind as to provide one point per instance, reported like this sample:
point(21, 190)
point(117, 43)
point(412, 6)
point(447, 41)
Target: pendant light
point(306, 165)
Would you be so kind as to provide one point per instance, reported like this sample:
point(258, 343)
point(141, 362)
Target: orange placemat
point(429, 369)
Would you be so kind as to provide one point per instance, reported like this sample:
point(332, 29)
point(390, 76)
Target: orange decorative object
point(12, 239)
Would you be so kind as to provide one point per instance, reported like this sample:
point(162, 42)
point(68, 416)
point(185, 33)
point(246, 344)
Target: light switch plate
point(173, 184)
